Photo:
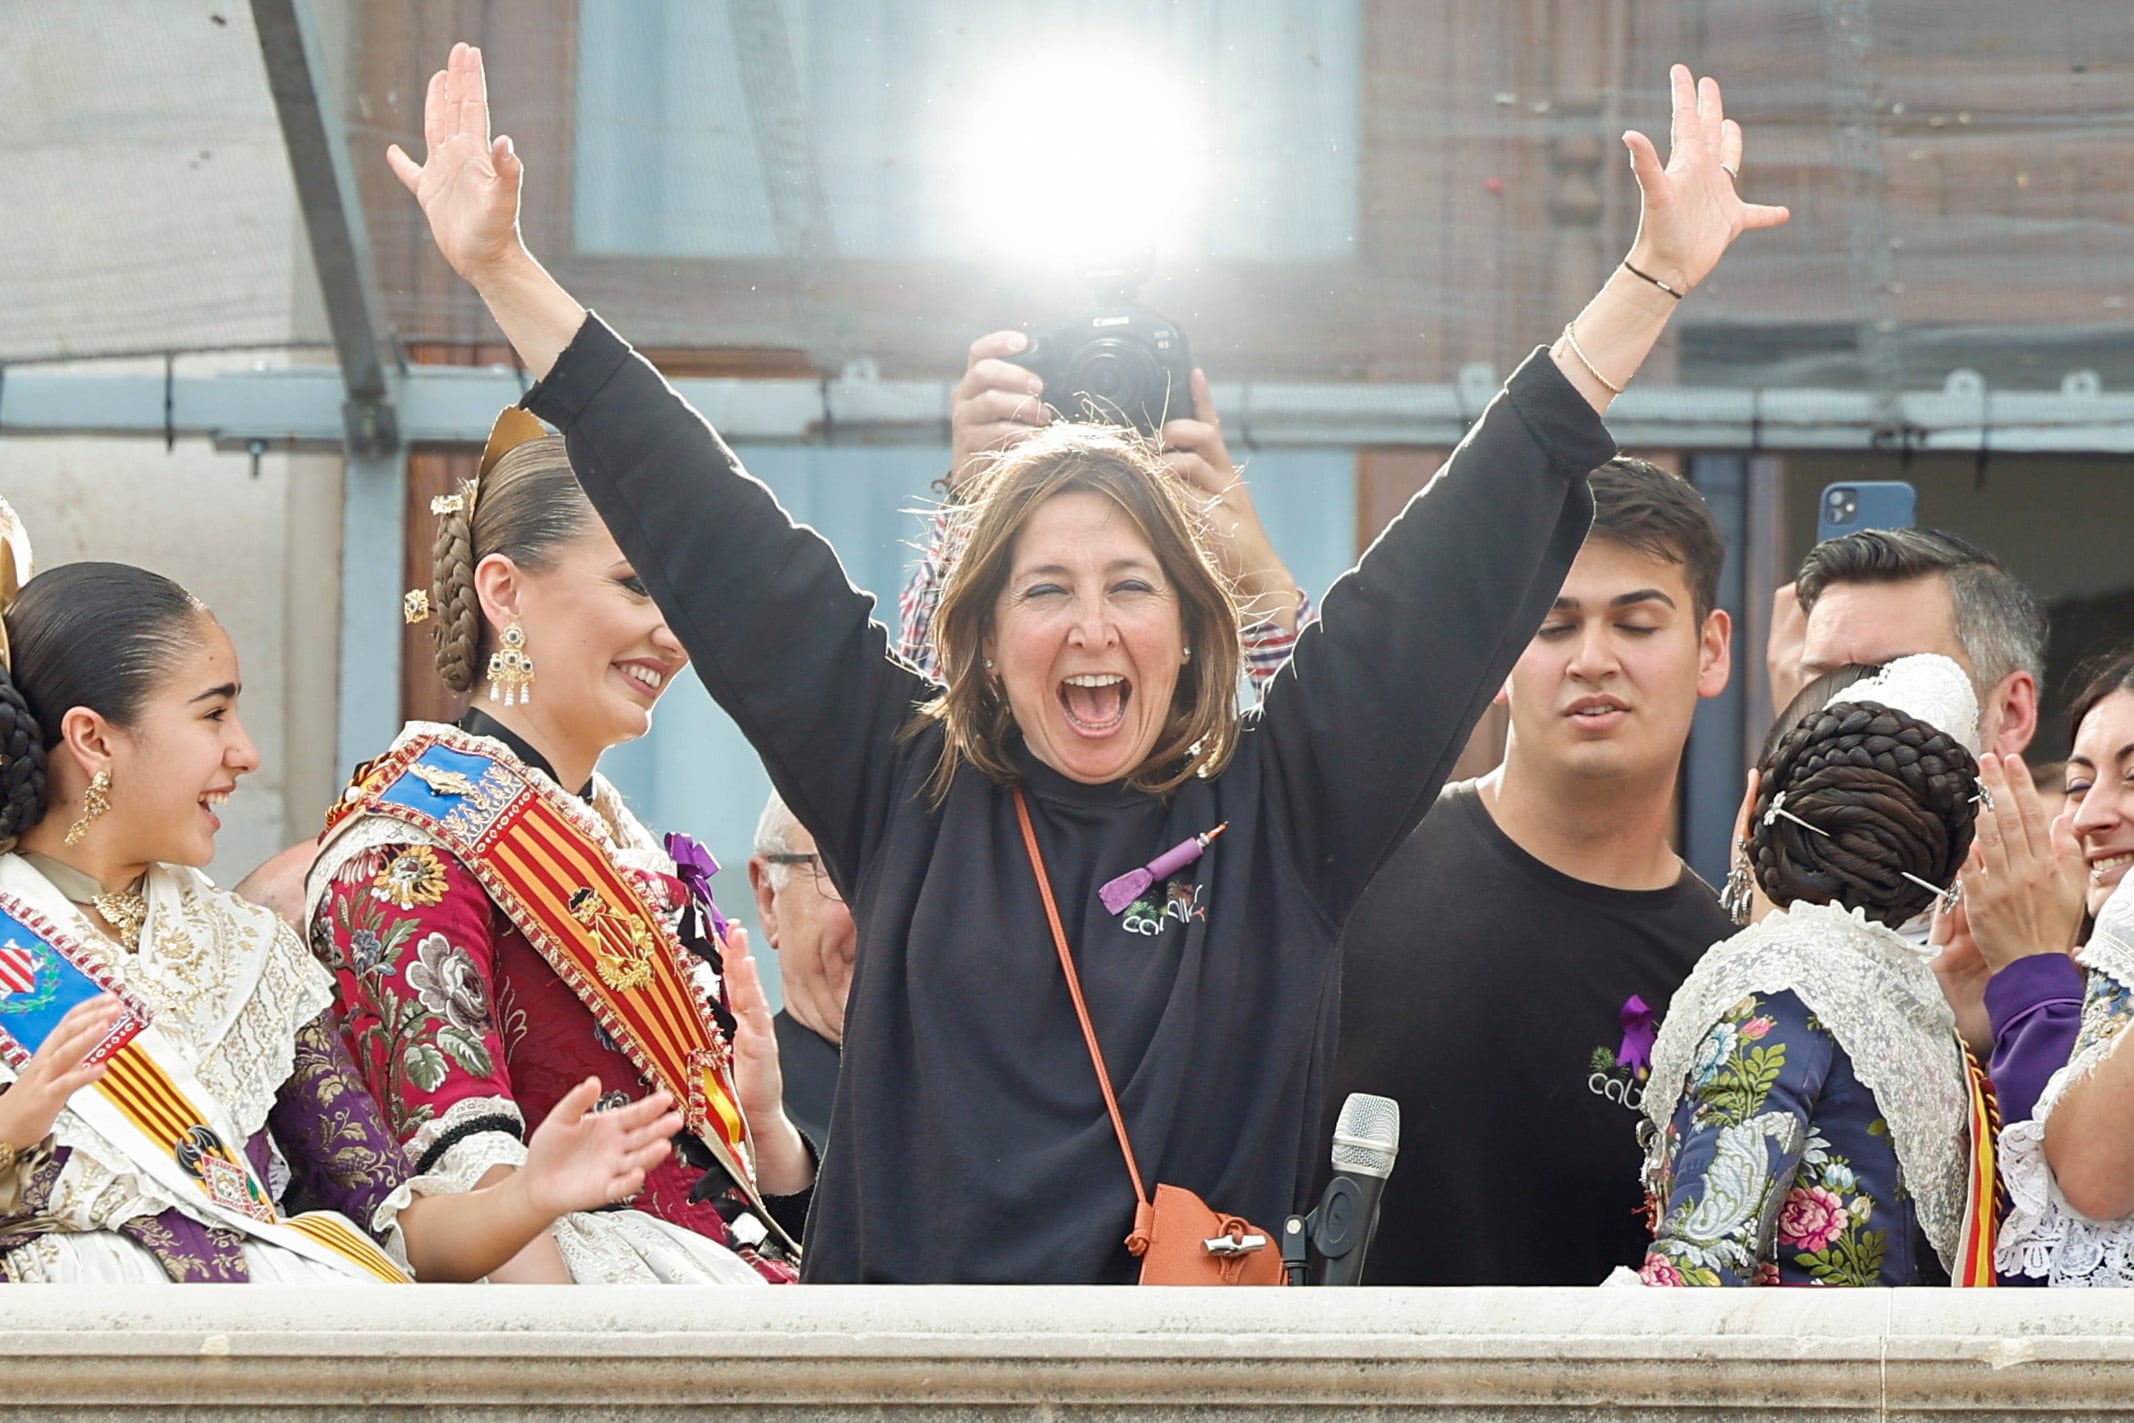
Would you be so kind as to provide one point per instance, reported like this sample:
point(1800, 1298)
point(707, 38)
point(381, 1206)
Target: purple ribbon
point(694, 866)
point(1638, 1033)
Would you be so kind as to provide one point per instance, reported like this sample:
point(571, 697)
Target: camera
point(1120, 365)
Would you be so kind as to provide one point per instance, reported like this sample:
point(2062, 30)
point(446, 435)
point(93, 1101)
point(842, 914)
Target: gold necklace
point(125, 910)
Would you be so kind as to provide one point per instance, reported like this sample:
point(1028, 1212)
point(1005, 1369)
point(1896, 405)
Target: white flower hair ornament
point(16, 565)
point(1927, 687)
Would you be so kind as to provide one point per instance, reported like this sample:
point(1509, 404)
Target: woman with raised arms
point(1084, 738)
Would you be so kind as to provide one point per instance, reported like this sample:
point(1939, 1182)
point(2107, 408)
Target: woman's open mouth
point(1095, 702)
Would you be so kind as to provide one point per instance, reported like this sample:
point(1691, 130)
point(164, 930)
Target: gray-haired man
point(807, 924)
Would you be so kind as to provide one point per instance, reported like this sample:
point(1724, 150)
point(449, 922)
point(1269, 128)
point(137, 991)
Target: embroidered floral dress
point(243, 1008)
point(470, 1038)
point(1777, 1167)
point(1815, 1126)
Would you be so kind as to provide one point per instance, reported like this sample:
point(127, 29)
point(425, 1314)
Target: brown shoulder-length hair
point(1200, 734)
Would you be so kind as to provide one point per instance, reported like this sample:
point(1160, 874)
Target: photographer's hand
point(1195, 451)
point(996, 405)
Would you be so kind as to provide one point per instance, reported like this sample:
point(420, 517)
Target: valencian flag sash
point(149, 1106)
point(1982, 1195)
point(588, 919)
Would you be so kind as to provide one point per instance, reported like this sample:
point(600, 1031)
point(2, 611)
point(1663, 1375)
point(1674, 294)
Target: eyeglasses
point(813, 860)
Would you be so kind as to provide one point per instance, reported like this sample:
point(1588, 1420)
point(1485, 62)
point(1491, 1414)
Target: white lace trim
point(229, 985)
point(1880, 1000)
point(229, 982)
point(2044, 1237)
point(455, 1118)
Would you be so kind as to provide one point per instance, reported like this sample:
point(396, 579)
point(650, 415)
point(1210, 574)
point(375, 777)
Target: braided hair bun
point(525, 507)
point(1891, 794)
point(22, 764)
point(458, 628)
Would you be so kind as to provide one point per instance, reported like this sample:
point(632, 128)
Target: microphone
point(1339, 1229)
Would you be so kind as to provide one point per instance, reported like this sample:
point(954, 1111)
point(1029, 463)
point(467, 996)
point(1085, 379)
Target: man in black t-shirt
point(1504, 973)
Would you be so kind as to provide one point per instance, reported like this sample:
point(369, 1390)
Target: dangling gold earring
point(95, 801)
point(511, 671)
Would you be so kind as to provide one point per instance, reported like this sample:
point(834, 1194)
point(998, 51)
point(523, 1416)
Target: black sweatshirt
point(969, 1142)
point(1485, 992)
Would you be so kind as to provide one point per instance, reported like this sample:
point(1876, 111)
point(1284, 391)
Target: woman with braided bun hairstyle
point(168, 1060)
point(501, 926)
point(1810, 1111)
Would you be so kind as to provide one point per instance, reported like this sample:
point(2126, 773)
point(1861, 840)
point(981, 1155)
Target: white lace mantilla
point(2043, 1236)
point(228, 984)
point(1880, 1000)
point(1928, 687)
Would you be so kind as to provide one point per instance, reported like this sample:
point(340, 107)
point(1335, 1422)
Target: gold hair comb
point(415, 605)
point(513, 428)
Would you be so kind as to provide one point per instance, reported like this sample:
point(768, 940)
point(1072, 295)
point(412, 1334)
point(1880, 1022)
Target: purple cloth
point(694, 865)
point(2036, 1007)
point(1635, 1051)
point(332, 1133)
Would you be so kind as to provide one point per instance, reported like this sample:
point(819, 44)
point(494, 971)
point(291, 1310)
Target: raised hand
point(467, 183)
point(783, 1166)
point(2025, 878)
point(996, 405)
point(56, 1072)
point(1692, 211)
point(1195, 451)
point(580, 1160)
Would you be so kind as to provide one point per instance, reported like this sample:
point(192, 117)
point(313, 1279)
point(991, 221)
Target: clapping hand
point(580, 1160)
point(2024, 878)
point(783, 1166)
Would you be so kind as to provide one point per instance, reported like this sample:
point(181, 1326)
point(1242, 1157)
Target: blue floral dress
point(1821, 1093)
point(1777, 1167)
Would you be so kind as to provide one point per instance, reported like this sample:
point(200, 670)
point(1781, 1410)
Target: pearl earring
point(1188, 655)
point(989, 664)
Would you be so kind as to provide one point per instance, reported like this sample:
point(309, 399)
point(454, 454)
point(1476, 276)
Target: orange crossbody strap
point(1143, 1210)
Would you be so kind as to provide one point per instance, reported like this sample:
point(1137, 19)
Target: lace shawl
point(2043, 1236)
point(1882, 1003)
point(229, 985)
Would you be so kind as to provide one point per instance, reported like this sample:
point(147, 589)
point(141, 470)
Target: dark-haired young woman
point(501, 925)
point(1810, 1106)
point(179, 1152)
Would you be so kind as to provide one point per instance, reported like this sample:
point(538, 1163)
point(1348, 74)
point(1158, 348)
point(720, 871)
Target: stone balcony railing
point(493, 1353)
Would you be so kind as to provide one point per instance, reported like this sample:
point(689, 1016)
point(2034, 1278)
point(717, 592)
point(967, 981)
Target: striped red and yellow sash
point(587, 918)
point(52, 974)
point(1982, 1196)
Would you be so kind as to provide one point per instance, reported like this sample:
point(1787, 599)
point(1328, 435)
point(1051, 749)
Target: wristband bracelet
point(1570, 336)
point(1647, 276)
